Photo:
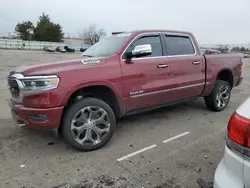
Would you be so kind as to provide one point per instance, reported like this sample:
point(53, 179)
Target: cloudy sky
point(212, 21)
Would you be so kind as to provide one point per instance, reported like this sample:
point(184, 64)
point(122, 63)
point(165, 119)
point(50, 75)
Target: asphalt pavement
point(177, 146)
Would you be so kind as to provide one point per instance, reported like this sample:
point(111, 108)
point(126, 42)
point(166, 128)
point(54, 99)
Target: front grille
point(13, 87)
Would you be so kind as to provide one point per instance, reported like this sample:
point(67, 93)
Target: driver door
point(145, 77)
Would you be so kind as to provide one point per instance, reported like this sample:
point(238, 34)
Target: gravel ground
point(31, 158)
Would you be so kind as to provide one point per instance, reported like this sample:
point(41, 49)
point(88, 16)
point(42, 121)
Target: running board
point(159, 106)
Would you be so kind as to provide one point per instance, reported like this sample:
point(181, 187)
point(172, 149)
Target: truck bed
point(222, 62)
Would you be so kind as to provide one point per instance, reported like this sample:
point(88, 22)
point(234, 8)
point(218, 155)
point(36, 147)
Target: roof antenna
point(115, 33)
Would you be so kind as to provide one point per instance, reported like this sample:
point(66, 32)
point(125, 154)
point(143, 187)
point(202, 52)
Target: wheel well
point(227, 76)
point(101, 92)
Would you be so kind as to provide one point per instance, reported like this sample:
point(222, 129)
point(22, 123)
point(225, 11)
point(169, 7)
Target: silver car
point(234, 169)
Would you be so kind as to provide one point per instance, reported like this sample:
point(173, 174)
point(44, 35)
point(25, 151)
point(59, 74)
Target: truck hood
point(60, 66)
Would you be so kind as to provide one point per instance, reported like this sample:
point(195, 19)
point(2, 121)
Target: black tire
point(71, 113)
point(211, 100)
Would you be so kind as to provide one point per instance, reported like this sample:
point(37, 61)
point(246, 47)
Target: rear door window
point(179, 45)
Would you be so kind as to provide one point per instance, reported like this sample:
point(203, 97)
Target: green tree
point(47, 30)
point(243, 49)
point(235, 49)
point(25, 30)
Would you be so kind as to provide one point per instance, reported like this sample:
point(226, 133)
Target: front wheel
point(88, 124)
point(220, 96)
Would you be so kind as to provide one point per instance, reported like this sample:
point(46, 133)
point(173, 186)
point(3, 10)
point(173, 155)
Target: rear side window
point(154, 41)
point(179, 45)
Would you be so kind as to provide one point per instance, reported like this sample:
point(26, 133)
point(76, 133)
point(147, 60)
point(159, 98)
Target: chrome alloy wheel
point(90, 125)
point(223, 96)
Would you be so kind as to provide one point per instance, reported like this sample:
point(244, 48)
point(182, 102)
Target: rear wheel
point(220, 96)
point(88, 124)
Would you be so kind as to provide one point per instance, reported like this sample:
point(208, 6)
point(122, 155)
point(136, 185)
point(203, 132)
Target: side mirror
point(140, 51)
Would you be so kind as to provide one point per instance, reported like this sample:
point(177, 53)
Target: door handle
point(162, 66)
point(196, 63)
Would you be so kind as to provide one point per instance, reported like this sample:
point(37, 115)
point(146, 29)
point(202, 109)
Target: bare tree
point(92, 34)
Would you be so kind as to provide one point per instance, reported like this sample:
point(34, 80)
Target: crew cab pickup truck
point(122, 74)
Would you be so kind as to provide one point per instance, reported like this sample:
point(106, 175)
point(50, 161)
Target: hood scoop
point(90, 61)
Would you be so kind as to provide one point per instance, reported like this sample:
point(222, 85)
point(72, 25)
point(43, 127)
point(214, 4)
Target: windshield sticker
point(90, 61)
point(124, 35)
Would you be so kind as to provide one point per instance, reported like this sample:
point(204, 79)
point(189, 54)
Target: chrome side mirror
point(142, 50)
point(139, 51)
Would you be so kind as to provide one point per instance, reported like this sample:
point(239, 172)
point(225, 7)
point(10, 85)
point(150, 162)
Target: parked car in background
point(84, 48)
point(68, 49)
point(120, 75)
point(203, 51)
point(245, 56)
point(234, 169)
point(49, 49)
point(60, 49)
point(211, 51)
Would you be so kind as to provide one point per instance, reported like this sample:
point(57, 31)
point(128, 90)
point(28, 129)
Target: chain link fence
point(16, 44)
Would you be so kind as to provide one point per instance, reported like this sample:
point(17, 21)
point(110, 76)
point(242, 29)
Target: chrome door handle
point(162, 66)
point(196, 63)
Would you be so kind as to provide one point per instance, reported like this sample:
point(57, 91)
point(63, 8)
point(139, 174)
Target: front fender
point(81, 85)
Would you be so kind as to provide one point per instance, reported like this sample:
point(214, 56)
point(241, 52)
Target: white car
point(245, 56)
point(234, 169)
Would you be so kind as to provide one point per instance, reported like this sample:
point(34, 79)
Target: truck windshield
point(107, 46)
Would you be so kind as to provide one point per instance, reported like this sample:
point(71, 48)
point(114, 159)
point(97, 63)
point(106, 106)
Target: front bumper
point(230, 172)
point(25, 116)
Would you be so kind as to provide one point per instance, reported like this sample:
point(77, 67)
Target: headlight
point(40, 82)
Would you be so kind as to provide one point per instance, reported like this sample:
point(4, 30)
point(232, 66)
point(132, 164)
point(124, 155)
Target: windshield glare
point(107, 46)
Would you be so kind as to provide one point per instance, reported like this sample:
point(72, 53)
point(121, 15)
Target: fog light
point(39, 117)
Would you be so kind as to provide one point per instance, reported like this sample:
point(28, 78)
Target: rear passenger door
point(187, 66)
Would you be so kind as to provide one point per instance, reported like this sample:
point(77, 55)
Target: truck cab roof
point(160, 31)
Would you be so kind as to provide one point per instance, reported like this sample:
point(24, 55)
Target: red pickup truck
point(122, 74)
